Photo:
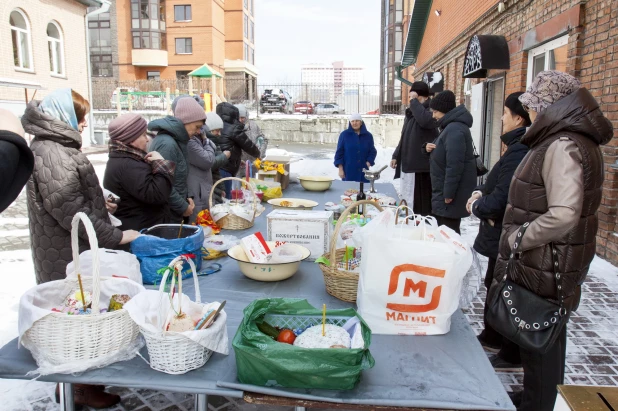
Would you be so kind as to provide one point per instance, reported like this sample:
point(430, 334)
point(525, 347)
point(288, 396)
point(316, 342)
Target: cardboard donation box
point(586, 398)
point(311, 229)
point(283, 179)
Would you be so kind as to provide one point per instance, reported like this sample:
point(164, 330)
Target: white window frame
point(58, 60)
point(544, 49)
point(28, 33)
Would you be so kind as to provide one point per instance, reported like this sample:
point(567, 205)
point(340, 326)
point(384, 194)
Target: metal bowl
point(316, 183)
point(266, 272)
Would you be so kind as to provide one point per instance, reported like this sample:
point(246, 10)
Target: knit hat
point(443, 102)
point(547, 88)
point(214, 122)
point(194, 97)
point(356, 117)
point(513, 104)
point(189, 111)
point(127, 128)
point(421, 88)
point(242, 110)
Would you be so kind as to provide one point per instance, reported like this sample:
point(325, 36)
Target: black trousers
point(509, 351)
point(422, 193)
point(452, 223)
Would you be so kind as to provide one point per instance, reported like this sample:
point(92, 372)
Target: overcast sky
point(290, 33)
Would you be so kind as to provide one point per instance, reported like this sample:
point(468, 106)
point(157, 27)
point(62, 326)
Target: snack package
point(255, 248)
point(285, 253)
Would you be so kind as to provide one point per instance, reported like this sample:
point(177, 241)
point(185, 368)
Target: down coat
point(63, 183)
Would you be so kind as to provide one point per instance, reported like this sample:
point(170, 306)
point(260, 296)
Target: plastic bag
point(113, 263)
point(285, 253)
point(270, 189)
point(262, 361)
point(220, 242)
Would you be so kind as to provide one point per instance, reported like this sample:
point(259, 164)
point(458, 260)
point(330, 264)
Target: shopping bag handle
point(344, 215)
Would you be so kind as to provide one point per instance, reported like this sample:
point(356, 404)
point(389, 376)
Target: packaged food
point(74, 300)
point(180, 323)
point(255, 248)
point(117, 302)
point(333, 336)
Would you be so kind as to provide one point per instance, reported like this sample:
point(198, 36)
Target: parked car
point(305, 107)
point(330, 108)
point(276, 100)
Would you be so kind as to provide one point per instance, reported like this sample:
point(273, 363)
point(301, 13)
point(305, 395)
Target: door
point(477, 109)
point(492, 144)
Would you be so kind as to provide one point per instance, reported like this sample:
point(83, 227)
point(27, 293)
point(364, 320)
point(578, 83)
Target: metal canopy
point(486, 53)
point(416, 31)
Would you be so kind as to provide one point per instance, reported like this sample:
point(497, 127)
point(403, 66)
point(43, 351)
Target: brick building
point(501, 46)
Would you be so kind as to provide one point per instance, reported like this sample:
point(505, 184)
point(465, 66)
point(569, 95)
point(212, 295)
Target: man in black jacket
point(16, 159)
point(233, 139)
point(411, 165)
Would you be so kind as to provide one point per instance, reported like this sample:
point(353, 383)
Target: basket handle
point(249, 185)
point(344, 215)
point(196, 284)
point(403, 206)
point(94, 247)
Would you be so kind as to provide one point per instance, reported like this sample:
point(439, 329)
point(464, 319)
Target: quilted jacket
point(62, 184)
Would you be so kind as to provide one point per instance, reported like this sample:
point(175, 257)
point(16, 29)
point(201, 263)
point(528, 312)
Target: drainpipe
point(105, 5)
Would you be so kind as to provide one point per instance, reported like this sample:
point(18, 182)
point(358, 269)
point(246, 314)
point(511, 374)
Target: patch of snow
point(15, 233)
point(13, 221)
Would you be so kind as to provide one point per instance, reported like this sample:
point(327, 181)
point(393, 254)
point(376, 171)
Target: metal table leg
point(201, 402)
point(67, 402)
point(299, 408)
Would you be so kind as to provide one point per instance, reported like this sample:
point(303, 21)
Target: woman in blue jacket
point(355, 151)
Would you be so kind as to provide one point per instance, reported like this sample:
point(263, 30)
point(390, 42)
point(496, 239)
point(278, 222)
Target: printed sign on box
point(311, 229)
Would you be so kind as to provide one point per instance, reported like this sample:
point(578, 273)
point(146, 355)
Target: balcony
point(149, 58)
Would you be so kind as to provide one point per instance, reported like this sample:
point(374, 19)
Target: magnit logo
point(414, 288)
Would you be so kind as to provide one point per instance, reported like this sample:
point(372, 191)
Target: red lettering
point(421, 287)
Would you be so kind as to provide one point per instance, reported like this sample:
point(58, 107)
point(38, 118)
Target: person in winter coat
point(64, 183)
point(203, 158)
point(173, 134)
point(234, 139)
point(556, 191)
point(255, 134)
point(16, 159)
point(452, 161)
point(142, 180)
point(411, 165)
point(355, 151)
point(488, 203)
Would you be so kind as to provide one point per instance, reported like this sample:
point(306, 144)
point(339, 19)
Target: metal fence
point(109, 94)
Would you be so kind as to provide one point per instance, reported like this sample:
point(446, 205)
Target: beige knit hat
point(189, 111)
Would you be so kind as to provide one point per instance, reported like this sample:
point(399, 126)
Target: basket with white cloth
point(62, 343)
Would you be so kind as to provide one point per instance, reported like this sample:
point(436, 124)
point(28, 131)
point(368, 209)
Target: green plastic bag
point(262, 361)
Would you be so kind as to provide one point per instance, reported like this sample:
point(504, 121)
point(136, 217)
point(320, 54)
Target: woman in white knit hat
point(355, 151)
point(204, 158)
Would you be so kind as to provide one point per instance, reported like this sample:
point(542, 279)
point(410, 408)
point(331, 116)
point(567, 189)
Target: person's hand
point(128, 236)
point(475, 196)
point(413, 95)
point(341, 173)
point(189, 209)
point(228, 154)
point(153, 155)
point(448, 200)
point(430, 147)
point(111, 207)
point(393, 163)
point(368, 165)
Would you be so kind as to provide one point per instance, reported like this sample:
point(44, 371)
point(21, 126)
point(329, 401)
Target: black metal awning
point(486, 53)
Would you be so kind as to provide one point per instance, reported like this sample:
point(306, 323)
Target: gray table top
point(449, 371)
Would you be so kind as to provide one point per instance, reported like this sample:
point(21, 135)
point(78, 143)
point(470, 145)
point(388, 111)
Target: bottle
point(359, 197)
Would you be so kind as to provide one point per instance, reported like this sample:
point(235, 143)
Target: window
point(101, 65)
point(148, 23)
point(20, 34)
point(399, 12)
point(182, 13)
point(246, 26)
point(251, 32)
point(56, 49)
point(246, 52)
point(252, 3)
point(247, 4)
point(184, 45)
point(182, 74)
point(550, 56)
point(153, 75)
point(252, 61)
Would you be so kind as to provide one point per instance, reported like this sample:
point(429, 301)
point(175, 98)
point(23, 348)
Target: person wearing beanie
point(16, 159)
point(255, 134)
point(142, 180)
point(195, 97)
point(205, 159)
point(243, 113)
point(552, 205)
point(488, 203)
point(355, 151)
point(410, 164)
point(234, 139)
point(173, 135)
point(452, 163)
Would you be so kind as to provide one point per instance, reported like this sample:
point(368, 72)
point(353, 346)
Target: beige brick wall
point(69, 15)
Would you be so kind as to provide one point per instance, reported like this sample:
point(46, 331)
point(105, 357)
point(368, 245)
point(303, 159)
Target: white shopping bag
point(114, 263)
point(411, 275)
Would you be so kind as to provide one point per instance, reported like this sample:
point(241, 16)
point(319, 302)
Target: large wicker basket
point(170, 352)
point(342, 284)
point(230, 221)
point(60, 339)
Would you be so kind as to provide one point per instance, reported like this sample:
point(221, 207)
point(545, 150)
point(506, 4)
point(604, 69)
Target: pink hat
point(189, 111)
point(127, 128)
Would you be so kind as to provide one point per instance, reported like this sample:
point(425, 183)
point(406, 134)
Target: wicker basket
point(59, 338)
point(170, 352)
point(230, 221)
point(342, 284)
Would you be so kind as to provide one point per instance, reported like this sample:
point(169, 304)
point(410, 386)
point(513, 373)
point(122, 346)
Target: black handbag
point(530, 321)
point(481, 170)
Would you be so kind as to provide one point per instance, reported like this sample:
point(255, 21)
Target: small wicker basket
point(231, 221)
point(342, 284)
